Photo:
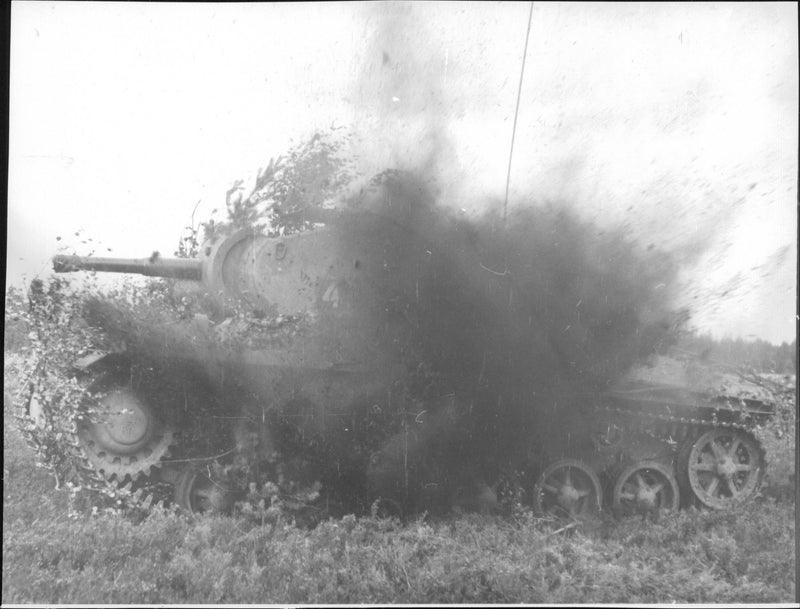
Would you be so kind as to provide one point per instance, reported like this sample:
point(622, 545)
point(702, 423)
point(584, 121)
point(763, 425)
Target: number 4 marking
point(332, 295)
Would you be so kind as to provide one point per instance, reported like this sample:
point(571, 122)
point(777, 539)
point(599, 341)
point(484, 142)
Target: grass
point(50, 556)
point(53, 554)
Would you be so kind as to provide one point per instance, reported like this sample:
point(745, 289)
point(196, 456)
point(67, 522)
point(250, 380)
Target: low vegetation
point(55, 553)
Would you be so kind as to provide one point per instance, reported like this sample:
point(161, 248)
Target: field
point(56, 553)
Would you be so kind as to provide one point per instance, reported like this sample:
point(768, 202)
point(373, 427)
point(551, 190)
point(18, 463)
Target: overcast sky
point(679, 120)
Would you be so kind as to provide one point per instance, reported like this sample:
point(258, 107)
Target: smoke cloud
point(525, 321)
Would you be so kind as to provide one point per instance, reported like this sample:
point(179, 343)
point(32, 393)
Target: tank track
point(675, 420)
point(673, 429)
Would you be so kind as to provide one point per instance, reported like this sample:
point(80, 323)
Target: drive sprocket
point(123, 438)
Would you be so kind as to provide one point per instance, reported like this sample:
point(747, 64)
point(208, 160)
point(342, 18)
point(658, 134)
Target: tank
point(310, 368)
point(311, 392)
point(673, 432)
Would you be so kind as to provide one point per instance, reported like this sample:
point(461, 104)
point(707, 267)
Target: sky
point(676, 120)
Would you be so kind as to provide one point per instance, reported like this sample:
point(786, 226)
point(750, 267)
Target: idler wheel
point(646, 486)
point(124, 439)
point(569, 489)
point(197, 492)
point(725, 466)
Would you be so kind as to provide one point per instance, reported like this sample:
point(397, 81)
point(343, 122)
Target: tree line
point(758, 355)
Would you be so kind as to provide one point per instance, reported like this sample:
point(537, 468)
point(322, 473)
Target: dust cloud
point(524, 321)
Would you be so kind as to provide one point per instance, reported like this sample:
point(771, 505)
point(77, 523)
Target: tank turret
point(286, 274)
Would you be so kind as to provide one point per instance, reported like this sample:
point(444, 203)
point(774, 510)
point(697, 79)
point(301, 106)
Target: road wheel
point(196, 491)
point(645, 487)
point(568, 489)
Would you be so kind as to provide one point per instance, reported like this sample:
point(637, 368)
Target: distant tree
point(786, 358)
point(15, 332)
point(759, 355)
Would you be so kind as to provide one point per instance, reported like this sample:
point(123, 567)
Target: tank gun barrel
point(175, 268)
